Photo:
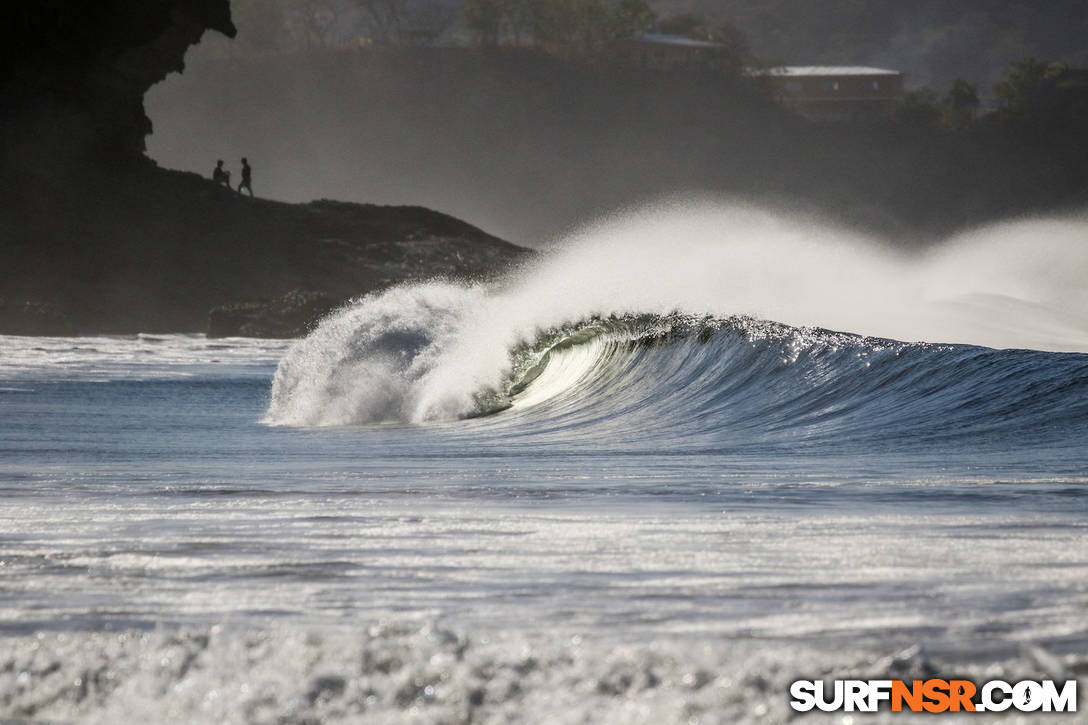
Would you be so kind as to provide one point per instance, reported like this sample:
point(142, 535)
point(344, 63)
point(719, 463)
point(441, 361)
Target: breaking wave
point(661, 320)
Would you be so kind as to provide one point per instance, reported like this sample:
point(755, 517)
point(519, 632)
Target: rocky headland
point(98, 239)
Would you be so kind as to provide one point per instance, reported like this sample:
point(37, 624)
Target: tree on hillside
point(960, 105)
point(485, 18)
point(562, 24)
point(955, 111)
point(919, 109)
point(735, 52)
point(1027, 84)
point(570, 23)
point(425, 21)
point(306, 20)
point(632, 17)
point(961, 94)
point(689, 25)
point(521, 19)
point(383, 18)
point(1046, 101)
point(319, 23)
point(262, 25)
point(732, 37)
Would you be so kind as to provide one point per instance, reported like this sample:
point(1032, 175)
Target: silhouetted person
point(247, 178)
point(221, 175)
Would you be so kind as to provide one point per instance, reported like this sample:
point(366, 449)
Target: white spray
point(421, 352)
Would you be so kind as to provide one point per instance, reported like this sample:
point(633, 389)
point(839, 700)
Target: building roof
point(791, 71)
point(677, 40)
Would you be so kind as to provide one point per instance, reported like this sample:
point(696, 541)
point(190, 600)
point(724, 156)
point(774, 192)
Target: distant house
point(836, 93)
point(658, 51)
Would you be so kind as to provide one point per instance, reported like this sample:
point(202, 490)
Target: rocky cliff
point(96, 238)
point(74, 74)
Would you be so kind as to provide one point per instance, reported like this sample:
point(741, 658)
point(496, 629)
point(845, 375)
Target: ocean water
point(698, 452)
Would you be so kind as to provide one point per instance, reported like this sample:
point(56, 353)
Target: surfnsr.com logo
point(933, 696)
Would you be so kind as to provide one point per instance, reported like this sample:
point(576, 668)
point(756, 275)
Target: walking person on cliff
point(247, 178)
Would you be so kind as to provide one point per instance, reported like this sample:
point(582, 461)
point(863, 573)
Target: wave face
point(666, 337)
point(682, 383)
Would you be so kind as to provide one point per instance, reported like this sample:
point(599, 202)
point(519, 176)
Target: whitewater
point(426, 352)
point(685, 456)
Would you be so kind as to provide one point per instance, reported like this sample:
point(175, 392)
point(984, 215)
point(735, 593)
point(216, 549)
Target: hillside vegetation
point(933, 41)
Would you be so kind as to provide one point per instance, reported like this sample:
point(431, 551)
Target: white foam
point(422, 672)
point(1011, 285)
point(104, 358)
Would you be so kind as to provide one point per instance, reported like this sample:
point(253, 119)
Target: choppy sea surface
point(461, 504)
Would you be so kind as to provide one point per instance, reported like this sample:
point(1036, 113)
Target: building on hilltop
point(658, 51)
point(835, 93)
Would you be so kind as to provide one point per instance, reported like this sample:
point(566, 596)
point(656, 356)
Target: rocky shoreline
point(98, 240)
point(170, 252)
